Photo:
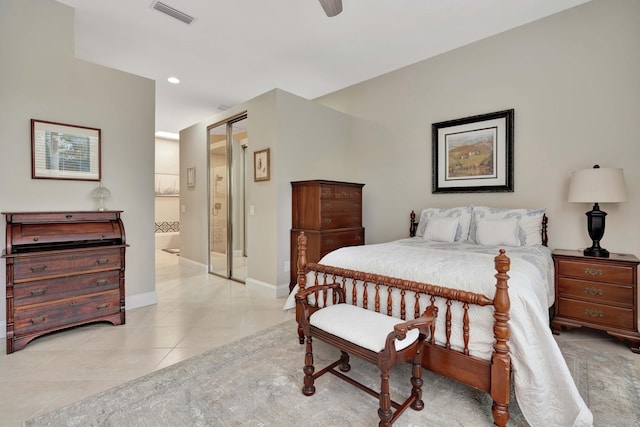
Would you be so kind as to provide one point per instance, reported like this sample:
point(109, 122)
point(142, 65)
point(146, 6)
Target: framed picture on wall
point(62, 151)
point(191, 176)
point(473, 154)
point(261, 170)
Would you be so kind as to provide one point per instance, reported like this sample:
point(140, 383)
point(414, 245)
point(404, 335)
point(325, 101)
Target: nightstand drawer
point(598, 271)
point(602, 293)
point(600, 314)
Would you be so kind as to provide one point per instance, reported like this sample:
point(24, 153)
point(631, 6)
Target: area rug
point(256, 381)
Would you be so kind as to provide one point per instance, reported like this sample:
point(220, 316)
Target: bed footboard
point(407, 299)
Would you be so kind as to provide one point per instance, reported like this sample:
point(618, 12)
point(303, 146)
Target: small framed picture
point(63, 151)
point(191, 176)
point(261, 165)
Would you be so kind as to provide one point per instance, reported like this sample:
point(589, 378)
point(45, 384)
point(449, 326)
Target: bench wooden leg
point(384, 412)
point(308, 389)
point(416, 382)
point(344, 362)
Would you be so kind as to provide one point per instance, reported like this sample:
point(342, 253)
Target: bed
point(490, 274)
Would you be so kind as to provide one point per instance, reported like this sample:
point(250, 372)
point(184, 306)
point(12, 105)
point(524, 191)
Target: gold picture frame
point(261, 167)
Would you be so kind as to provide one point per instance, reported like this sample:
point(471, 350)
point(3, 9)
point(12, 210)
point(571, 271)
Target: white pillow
point(463, 214)
point(529, 222)
point(441, 229)
point(495, 232)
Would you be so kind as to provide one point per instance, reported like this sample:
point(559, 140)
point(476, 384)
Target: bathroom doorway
point(227, 214)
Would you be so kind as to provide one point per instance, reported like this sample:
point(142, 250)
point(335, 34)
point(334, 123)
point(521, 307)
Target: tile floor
point(195, 312)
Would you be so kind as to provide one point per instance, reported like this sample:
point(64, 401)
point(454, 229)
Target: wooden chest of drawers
point(63, 270)
point(330, 214)
point(600, 293)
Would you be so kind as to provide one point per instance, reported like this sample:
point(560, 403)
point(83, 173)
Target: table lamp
point(597, 185)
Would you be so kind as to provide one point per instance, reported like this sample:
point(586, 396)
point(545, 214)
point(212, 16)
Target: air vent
point(174, 13)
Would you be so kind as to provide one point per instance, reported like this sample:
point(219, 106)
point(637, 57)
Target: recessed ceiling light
point(173, 80)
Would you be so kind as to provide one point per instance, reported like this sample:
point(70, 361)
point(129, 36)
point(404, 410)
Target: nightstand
point(599, 293)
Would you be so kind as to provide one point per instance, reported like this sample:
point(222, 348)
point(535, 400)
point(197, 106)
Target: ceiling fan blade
point(331, 7)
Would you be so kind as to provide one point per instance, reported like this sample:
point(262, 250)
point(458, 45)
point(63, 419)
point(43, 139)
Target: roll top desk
point(63, 269)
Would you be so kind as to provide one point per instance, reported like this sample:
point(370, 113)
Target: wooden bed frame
point(492, 376)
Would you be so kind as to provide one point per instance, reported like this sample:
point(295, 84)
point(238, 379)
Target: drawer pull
point(327, 221)
point(103, 261)
point(358, 238)
point(329, 241)
point(35, 239)
point(593, 291)
point(105, 305)
point(38, 319)
point(72, 303)
point(68, 216)
point(327, 205)
point(593, 271)
point(38, 268)
point(102, 282)
point(38, 291)
point(593, 313)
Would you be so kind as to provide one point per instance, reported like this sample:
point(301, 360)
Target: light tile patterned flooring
point(195, 312)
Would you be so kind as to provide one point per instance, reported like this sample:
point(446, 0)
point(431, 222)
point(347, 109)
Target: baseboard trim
point(187, 261)
point(277, 291)
point(141, 300)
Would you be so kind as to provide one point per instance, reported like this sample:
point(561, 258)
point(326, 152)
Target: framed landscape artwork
point(62, 151)
point(473, 154)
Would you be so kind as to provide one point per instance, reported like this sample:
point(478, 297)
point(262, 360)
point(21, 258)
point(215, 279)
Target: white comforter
point(543, 385)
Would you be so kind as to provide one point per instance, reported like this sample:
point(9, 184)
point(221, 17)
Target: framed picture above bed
point(473, 154)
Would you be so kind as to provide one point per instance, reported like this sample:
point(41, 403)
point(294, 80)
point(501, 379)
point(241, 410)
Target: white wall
point(40, 78)
point(167, 208)
point(572, 79)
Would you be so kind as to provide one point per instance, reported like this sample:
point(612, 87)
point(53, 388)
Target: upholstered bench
point(372, 336)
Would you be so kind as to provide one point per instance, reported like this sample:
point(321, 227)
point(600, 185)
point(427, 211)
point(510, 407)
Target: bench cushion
point(362, 327)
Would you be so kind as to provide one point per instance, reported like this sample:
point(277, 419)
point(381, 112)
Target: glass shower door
point(227, 218)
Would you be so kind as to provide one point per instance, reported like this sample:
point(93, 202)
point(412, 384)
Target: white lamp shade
point(597, 185)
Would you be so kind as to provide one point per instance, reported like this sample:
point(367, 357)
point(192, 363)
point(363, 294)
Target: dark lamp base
point(596, 252)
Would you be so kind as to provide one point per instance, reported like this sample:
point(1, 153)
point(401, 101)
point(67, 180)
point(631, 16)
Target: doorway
point(227, 214)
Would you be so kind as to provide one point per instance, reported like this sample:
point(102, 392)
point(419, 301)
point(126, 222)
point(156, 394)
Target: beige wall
point(40, 78)
point(292, 128)
point(571, 78)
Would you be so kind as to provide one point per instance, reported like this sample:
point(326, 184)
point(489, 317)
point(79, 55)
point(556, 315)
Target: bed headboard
point(413, 226)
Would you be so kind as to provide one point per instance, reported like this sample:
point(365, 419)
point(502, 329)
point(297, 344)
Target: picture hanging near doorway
point(261, 170)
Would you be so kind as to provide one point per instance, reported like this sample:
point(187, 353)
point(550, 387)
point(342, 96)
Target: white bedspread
point(543, 385)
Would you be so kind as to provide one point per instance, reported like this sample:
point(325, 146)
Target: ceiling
point(235, 50)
